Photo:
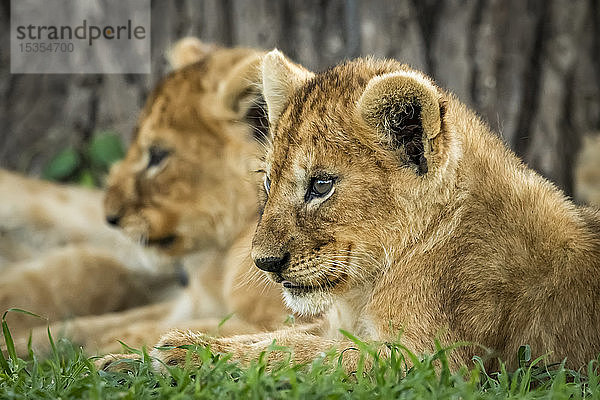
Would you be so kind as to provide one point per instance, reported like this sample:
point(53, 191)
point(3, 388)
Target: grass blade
point(130, 349)
point(4, 364)
point(30, 346)
point(10, 344)
point(52, 345)
point(21, 311)
point(227, 318)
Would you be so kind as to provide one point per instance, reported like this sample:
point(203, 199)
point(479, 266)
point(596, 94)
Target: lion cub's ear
point(187, 51)
point(280, 79)
point(240, 93)
point(405, 108)
point(240, 88)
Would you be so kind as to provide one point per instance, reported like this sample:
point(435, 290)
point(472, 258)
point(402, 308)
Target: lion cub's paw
point(117, 362)
point(172, 348)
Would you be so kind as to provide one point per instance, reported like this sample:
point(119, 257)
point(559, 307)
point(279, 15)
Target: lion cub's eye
point(320, 187)
point(156, 155)
point(267, 183)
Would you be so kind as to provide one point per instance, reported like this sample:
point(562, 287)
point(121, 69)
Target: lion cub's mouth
point(294, 286)
point(298, 288)
point(164, 242)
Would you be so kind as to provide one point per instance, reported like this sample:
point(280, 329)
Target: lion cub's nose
point(272, 264)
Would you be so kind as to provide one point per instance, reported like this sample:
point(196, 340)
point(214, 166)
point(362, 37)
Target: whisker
point(250, 277)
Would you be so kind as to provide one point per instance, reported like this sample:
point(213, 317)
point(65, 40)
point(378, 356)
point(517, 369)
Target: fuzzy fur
point(60, 260)
point(201, 196)
point(476, 247)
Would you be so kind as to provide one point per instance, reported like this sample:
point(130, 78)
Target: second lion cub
point(186, 189)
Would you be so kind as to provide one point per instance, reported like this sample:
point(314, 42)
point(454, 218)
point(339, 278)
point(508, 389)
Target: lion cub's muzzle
point(300, 276)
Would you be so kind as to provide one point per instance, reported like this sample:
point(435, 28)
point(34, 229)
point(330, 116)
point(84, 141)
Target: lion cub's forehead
point(320, 117)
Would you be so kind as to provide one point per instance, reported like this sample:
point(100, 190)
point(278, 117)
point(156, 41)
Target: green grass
point(68, 374)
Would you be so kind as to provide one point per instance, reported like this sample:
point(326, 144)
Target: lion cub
point(391, 207)
point(186, 188)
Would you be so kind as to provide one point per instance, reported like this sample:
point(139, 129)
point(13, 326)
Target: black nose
point(113, 220)
point(272, 264)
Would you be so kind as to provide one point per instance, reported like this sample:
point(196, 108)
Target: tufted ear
point(280, 78)
point(239, 92)
point(405, 107)
point(187, 51)
point(241, 86)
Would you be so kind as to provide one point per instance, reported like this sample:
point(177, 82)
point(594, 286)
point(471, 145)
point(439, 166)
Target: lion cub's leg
point(148, 333)
point(152, 332)
point(75, 281)
point(304, 344)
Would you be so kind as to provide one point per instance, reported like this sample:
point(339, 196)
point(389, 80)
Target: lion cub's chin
point(309, 303)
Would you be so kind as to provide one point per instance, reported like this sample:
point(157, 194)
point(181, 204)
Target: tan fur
point(187, 51)
point(59, 259)
point(201, 197)
point(75, 280)
point(433, 227)
point(203, 194)
point(36, 216)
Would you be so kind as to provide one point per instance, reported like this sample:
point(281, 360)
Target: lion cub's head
point(183, 185)
point(358, 153)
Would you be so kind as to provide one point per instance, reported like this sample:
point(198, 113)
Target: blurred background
point(531, 68)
